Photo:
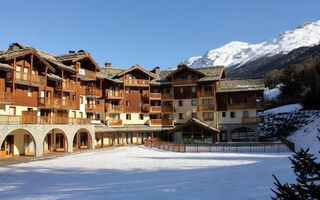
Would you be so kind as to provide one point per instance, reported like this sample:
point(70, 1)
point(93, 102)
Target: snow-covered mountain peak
point(239, 53)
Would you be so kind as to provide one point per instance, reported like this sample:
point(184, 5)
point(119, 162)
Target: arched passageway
point(19, 142)
point(55, 141)
point(82, 139)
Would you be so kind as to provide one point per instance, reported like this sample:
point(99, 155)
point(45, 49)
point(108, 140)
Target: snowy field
point(140, 173)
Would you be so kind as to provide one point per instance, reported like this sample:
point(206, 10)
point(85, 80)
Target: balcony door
point(25, 73)
point(18, 72)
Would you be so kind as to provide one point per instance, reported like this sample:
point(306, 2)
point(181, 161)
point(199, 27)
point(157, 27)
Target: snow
point(306, 136)
point(270, 94)
point(238, 53)
point(140, 173)
point(284, 109)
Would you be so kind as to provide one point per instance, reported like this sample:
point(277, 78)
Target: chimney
point(157, 70)
point(107, 64)
point(71, 52)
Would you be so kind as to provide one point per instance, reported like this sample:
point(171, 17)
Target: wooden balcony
point(206, 107)
point(118, 108)
point(161, 122)
point(56, 103)
point(67, 86)
point(206, 94)
point(251, 120)
point(94, 107)
point(155, 96)
point(137, 82)
point(93, 91)
point(27, 79)
point(166, 96)
point(166, 109)
point(30, 119)
point(114, 122)
point(87, 73)
point(155, 109)
point(241, 106)
point(184, 81)
point(113, 95)
point(6, 97)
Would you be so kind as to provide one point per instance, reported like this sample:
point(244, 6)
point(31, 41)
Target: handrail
point(29, 119)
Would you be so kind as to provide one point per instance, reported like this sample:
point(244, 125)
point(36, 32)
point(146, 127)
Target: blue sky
point(146, 32)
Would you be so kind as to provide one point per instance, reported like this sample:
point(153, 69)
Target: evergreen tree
point(312, 98)
point(292, 85)
point(307, 172)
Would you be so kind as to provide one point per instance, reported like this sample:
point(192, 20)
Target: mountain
point(236, 54)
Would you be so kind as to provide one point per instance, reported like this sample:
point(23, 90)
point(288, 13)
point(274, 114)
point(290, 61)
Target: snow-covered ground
point(139, 173)
point(284, 109)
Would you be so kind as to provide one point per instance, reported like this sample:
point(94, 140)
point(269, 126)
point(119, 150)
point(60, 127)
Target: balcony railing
point(166, 109)
point(10, 119)
point(137, 82)
point(155, 95)
point(184, 81)
point(27, 78)
point(166, 96)
point(155, 108)
point(56, 103)
point(94, 107)
point(5, 97)
point(161, 122)
point(206, 94)
point(113, 95)
point(87, 73)
point(251, 120)
point(93, 91)
point(206, 107)
point(115, 122)
point(67, 86)
point(114, 108)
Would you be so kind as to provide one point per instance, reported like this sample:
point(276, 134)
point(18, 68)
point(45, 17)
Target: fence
point(219, 147)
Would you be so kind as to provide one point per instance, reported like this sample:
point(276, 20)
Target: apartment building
point(66, 102)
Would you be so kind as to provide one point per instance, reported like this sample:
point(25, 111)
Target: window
point(180, 115)
point(29, 92)
point(128, 90)
point(81, 100)
point(208, 116)
point(81, 115)
point(224, 114)
point(189, 77)
point(140, 103)
point(141, 116)
point(193, 102)
point(128, 116)
point(245, 114)
point(181, 90)
point(180, 103)
point(193, 89)
point(233, 114)
point(194, 115)
point(207, 101)
point(127, 103)
point(207, 88)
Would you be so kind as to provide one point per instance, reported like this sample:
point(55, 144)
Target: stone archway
point(19, 142)
point(55, 140)
point(82, 139)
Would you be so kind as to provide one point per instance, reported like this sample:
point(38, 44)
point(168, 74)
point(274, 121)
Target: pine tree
point(307, 172)
point(292, 84)
point(312, 98)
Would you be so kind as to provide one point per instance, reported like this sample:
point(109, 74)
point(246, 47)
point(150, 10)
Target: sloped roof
point(181, 67)
point(4, 66)
point(110, 73)
point(73, 57)
point(240, 85)
point(140, 68)
point(196, 122)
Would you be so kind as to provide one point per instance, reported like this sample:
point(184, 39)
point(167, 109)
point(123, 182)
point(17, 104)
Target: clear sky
point(147, 32)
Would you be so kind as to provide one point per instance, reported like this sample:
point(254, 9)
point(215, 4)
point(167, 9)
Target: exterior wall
point(187, 109)
point(82, 108)
point(237, 119)
point(19, 109)
point(135, 118)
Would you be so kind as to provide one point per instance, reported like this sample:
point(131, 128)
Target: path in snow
point(139, 173)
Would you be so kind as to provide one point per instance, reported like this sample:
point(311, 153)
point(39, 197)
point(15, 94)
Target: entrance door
point(83, 140)
point(60, 142)
point(7, 147)
point(47, 143)
point(28, 145)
